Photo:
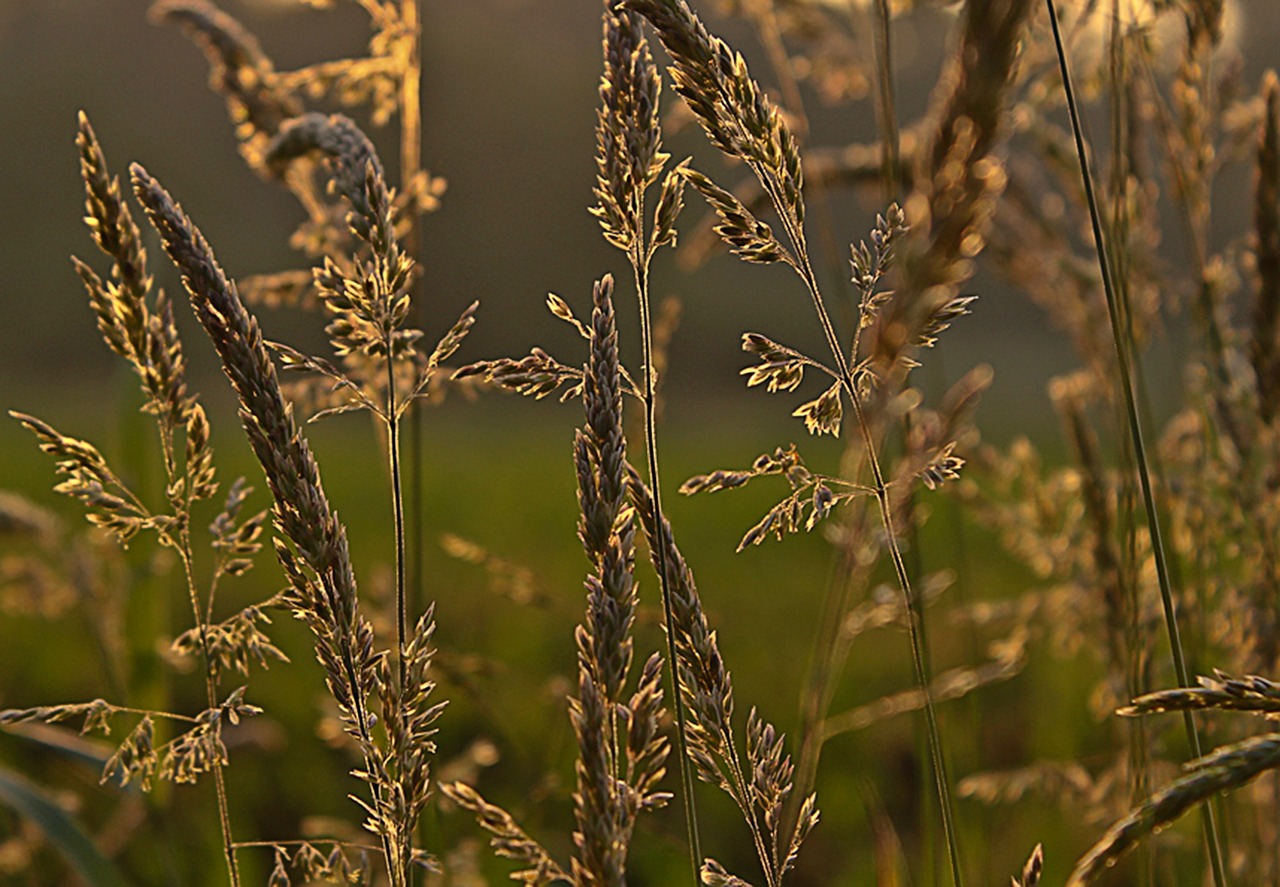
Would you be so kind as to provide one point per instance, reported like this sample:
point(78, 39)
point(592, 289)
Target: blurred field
point(499, 474)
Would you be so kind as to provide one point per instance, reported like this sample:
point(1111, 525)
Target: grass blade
point(62, 831)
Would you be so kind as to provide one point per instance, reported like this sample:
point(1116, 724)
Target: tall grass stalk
point(915, 626)
point(1136, 435)
point(742, 123)
point(139, 334)
point(276, 442)
point(629, 159)
point(410, 110)
point(915, 616)
point(650, 400)
point(880, 486)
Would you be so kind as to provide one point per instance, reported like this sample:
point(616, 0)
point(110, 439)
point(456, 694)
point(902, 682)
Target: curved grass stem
point(1135, 431)
point(915, 618)
point(640, 268)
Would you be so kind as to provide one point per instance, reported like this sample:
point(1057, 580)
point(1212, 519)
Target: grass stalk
point(1135, 430)
point(397, 509)
point(410, 108)
point(915, 630)
point(211, 695)
point(640, 267)
point(819, 684)
point(302, 511)
point(915, 616)
point(741, 122)
point(891, 150)
point(629, 159)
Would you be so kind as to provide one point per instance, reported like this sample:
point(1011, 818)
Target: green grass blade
point(62, 831)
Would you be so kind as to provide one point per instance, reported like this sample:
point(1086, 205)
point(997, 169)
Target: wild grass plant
point(1155, 555)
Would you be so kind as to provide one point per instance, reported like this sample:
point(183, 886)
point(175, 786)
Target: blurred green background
point(509, 103)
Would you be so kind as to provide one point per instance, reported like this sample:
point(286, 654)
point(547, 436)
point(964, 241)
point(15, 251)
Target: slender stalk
point(410, 100)
point(1135, 431)
point(886, 109)
point(224, 820)
point(366, 738)
point(402, 876)
point(640, 267)
point(915, 619)
point(211, 693)
point(410, 167)
point(915, 630)
point(202, 616)
point(397, 508)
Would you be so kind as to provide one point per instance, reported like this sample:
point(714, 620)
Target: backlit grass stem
point(1136, 435)
point(629, 159)
point(649, 396)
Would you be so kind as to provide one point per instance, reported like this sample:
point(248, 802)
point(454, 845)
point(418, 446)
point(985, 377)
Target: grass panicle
point(740, 121)
point(760, 785)
point(621, 752)
point(1223, 769)
point(629, 158)
point(323, 589)
point(621, 749)
point(1222, 692)
point(257, 98)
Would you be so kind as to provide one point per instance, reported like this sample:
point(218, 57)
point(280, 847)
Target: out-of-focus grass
point(499, 472)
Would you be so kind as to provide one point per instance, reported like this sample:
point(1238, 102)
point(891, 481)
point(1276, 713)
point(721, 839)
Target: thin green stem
point(402, 876)
point(1135, 431)
point(641, 271)
point(886, 108)
point(409, 577)
point(366, 742)
point(183, 545)
point(410, 97)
